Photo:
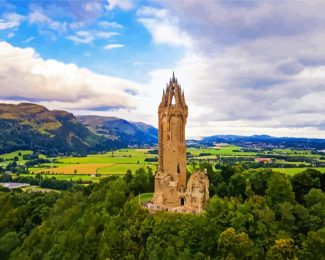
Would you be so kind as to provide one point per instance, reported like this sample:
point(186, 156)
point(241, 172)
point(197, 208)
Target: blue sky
point(134, 53)
point(247, 67)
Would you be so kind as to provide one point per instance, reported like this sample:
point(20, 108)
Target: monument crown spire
point(173, 95)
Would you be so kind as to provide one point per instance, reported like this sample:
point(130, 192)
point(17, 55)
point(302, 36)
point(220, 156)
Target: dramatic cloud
point(232, 22)
point(26, 76)
point(224, 104)
point(251, 68)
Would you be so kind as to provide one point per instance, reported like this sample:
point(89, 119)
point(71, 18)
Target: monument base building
point(172, 190)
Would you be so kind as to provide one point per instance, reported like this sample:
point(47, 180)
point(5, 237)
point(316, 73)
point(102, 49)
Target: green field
point(291, 152)
point(119, 161)
point(145, 197)
point(129, 156)
point(293, 171)
point(230, 150)
point(14, 154)
point(69, 177)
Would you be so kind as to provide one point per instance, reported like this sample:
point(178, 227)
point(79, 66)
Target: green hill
point(28, 126)
point(130, 133)
point(34, 127)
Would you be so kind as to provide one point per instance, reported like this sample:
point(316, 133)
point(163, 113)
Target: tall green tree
point(279, 190)
point(233, 245)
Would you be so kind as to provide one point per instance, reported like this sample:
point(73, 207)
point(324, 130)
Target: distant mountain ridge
point(133, 133)
point(263, 141)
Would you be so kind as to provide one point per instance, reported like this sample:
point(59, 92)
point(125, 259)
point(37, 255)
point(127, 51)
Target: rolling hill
point(34, 127)
point(30, 126)
point(132, 133)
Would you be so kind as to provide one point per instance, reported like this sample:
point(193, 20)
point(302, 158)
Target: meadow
point(87, 168)
point(110, 163)
point(293, 171)
point(95, 166)
point(229, 150)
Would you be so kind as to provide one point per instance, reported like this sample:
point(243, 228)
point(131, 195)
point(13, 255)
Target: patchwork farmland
point(95, 166)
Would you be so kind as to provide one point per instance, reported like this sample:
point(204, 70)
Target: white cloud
point(220, 103)
point(29, 39)
point(113, 46)
point(89, 36)
point(121, 4)
point(215, 24)
point(76, 25)
point(81, 37)
point(92, 7)
point(163, 27)
point(26, 76)
point(105, 24)
point(10, 20)
point(38, 17)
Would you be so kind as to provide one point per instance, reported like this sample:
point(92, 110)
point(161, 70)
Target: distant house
point(264, 160)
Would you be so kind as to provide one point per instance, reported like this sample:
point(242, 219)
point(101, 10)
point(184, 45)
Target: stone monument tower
point(171, 189)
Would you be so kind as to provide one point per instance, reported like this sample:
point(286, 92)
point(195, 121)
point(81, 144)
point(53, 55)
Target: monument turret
point(172, 191)
point(172, 114)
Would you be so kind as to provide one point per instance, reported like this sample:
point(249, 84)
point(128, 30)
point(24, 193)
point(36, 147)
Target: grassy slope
point(145, 197)
point(9, 156)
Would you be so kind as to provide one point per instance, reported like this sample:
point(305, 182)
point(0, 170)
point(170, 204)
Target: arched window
point(182, 201)
point(173, 101)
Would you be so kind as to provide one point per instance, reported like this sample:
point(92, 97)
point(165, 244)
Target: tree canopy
point(251, 214)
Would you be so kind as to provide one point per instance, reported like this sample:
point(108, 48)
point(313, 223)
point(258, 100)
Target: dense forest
point(252, 214)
